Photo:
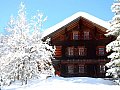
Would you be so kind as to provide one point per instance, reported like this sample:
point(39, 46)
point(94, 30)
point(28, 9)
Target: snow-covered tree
point(24, 55)
point(114, 46)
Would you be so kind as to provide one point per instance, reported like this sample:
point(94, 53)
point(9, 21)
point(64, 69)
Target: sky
point(55, 10)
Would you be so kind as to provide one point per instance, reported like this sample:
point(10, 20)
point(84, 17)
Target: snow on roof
point(73, 17)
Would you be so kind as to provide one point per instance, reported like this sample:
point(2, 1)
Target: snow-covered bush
point(23, 54)
point(114, 46)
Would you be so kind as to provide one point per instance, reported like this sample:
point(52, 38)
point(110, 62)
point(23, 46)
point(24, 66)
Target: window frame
point(81, 51)
point(75, 35)
point(86, 35)
point(102, 68)
point(81, 69)
point(70, 69)
point(76, 51)
point(100, 52)
point(70, 51)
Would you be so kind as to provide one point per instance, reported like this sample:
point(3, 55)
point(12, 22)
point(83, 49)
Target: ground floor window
point(71, 69)
point(102, 68)
point(81, 68)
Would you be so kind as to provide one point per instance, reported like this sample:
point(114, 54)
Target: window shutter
point(82, 35)
point(85, 49)
point(97, 51)
point(79, 36)
point(90, 35)
point(71, 36)
point(58, 51)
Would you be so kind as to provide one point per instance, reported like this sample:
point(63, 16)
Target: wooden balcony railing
point(84, 60)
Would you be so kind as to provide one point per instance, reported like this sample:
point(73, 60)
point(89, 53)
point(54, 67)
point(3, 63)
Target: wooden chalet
point(80, 46)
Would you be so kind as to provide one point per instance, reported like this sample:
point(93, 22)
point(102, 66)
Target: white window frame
point(70, 51)
point(102, 68)
point(75, 35)
point(71, 69)
point(101, 51)
point(81, 51)
point(86, 35)
point(81, 69)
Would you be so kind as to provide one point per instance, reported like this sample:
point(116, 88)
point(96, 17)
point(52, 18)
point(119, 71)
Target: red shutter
point(71, 36)
point(82, 36)
point(79, 36)
point(58, 51)
point(90, 35)
point(97, 50)
point(85, 51)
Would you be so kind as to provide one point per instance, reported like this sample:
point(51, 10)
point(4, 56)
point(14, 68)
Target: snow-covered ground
point(59, 83)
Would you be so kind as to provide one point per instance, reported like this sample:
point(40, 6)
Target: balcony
point(83, 61)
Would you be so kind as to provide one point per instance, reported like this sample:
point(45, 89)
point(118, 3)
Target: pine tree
point(25, 55)
point(114, 46)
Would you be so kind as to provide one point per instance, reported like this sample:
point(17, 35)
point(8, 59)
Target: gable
point(68, 33)
point(77, 20)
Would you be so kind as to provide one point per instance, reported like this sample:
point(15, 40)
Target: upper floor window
point(101, 50)
point(81, 51)
point(75, 35)
point(86, 35)
point(70, 51)
point(76, 51)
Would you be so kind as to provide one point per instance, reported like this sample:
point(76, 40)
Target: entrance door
point(91, 70)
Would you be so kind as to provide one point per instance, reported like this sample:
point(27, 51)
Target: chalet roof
point(87, 16)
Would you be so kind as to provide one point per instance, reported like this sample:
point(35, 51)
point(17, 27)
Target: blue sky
point(56, 10)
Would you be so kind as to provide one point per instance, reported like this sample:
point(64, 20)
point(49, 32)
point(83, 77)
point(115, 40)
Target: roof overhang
point(98, 22)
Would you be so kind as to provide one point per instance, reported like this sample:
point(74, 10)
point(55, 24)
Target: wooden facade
point(80, 49)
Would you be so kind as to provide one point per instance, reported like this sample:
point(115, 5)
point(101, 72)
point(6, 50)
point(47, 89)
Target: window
point(102, 68)
point(81, 51)
point(81, 68)
point(75, 35)
point(76, 51)
point(101, 51)
point(86, 35)
point(70, 69)
point(70, 51)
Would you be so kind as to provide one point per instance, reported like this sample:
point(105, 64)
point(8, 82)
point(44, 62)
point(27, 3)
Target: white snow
point(23, 55)
point(73, 17)
point(114, 46)
point(59, 83)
